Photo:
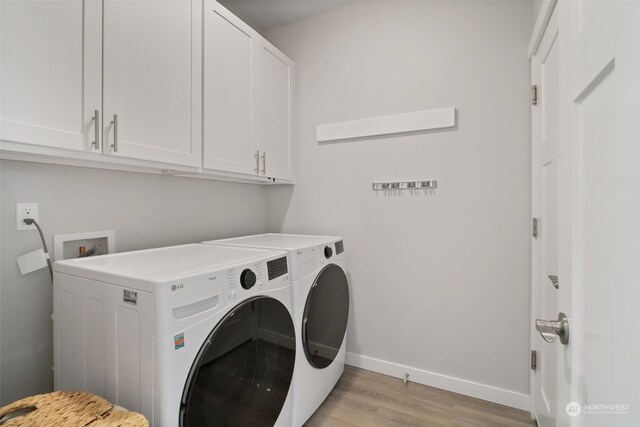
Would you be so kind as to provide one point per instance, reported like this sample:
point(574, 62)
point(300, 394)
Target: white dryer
point(192, 335)
point(320, 299)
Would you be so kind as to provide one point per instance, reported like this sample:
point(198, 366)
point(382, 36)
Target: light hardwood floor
point(365, 398)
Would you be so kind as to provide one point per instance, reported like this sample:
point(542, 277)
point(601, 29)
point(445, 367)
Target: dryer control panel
point(307, 260)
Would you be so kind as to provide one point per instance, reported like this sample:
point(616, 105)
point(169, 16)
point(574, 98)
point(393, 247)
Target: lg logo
point(177, 287)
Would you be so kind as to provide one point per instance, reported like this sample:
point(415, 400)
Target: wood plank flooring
point(365, 398)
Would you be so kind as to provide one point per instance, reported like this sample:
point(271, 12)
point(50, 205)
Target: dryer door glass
point(242, 374)
point(325, 316)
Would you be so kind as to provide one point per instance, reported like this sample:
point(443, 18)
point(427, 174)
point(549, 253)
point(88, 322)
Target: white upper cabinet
point(148, 84)
point(276, 112)
point(230, 89)
point(248, 100)
point(152, 80)
point(51, 78)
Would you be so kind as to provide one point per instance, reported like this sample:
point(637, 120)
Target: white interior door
point(152, 80)
point(276, 112)
point(599, 210)
point(545, 136)
point(51, 76)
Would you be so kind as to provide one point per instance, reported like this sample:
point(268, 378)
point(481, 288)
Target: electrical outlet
point(26, 210)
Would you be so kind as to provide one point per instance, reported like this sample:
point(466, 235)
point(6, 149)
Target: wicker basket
point(70, 409)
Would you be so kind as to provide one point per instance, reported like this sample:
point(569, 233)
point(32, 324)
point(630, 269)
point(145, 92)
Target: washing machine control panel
point(242, 279)
point(277, 267)
point(246, 280)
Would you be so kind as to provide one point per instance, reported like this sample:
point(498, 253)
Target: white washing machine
point(192, 336)
point(320, 299)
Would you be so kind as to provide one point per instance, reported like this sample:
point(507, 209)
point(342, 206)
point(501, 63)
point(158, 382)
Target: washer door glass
point(325, 316)
point(242, 374)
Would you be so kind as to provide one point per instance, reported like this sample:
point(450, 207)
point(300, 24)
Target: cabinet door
point(152, 80)
point(51, 79)
point(276, 111)
point(230, 92)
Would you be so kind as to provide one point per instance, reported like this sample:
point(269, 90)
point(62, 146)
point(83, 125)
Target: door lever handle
point(554, 281)
point(550, 329)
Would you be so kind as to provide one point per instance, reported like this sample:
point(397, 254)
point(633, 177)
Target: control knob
point(328, 252)
point(247, 278)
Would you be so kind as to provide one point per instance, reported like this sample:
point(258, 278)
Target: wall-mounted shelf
point(439, 118)
point(430, 184)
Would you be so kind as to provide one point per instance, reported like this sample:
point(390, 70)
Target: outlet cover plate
point(26, 210)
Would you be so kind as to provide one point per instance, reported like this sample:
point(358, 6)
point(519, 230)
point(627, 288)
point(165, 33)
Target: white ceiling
point(268, 14)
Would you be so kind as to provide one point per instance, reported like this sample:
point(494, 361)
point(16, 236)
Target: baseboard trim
point(444, 382)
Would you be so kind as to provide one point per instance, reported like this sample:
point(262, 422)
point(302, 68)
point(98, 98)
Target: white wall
point(144, 210)
point(440, 282)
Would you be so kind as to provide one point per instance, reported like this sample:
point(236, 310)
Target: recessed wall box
point(67, 246)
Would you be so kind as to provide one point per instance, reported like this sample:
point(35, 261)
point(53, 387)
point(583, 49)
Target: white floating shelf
point(439, 118)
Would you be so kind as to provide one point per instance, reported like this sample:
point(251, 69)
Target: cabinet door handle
point(114, 123)
point(96, 123)
point(264, 163)
point(257, 169)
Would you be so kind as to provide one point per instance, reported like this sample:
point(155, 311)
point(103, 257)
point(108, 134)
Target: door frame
point(542, 21)
point(540, 28)
point(543, 297)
